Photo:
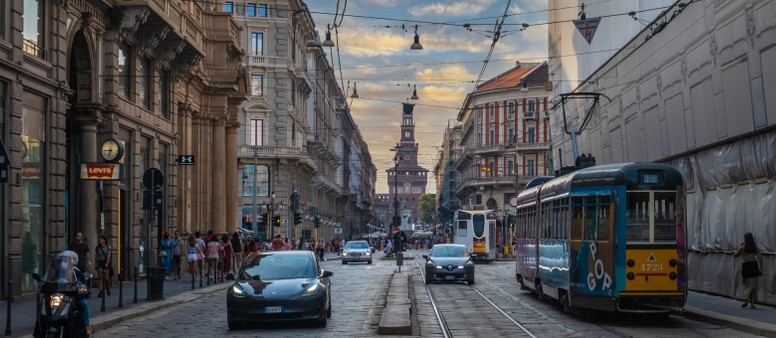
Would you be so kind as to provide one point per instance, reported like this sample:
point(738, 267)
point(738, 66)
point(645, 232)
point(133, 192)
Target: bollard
point(399, 259)
point(102, 290)
point(121, 288)
point(8, 314)
point(135, 301)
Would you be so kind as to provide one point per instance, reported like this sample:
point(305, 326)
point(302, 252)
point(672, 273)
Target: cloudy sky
point(374, 53)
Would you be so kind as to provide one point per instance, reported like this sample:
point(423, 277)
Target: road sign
point(185, 160)
point(152, 197)
point(95, 171)
point(513, 201)
point(153, 179)
point(337, 230)
point(587, 28)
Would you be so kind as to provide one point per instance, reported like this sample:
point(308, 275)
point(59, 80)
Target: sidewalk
point(175, 292)
point(728, 312)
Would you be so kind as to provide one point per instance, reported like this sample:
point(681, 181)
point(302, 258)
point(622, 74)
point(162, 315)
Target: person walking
point(751, 268)
point(193, 253)
point(82, 250)
point(165, 253)
point(226, 247)
point(277, 243)
point(103, 258)
point(200, 258)
point(237, 248)
point(177, 252)
point(212, 259)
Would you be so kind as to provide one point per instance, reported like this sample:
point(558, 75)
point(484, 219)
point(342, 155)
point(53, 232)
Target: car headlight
point(367, 253)
point(238, 291)
point(469, 264)
point(344, 253)
point(311, 290)
point(430, 264)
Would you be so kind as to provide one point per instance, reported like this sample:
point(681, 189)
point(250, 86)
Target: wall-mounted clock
point(112, 150)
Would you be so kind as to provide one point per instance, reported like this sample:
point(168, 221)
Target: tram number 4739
point(652, 267)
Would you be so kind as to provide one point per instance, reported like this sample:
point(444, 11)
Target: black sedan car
point(449, 262)
point(279, 285)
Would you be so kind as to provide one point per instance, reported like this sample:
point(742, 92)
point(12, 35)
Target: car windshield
point(274, 266)
point(448, 251)
point(357, 245)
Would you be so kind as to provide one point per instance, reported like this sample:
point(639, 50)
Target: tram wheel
point(564, 301)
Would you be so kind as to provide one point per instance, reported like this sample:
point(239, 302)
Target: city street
point(359, 291)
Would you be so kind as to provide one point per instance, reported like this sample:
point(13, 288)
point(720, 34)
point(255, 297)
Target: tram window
point(462, 228)
point(637, 220)
point(577, 222)
point(665, 217)
point(591, 223)
point(604, 218)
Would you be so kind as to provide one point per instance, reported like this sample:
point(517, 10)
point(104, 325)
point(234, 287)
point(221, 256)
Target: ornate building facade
point(93, 94)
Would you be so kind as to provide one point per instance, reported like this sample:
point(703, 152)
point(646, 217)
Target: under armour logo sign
point(186, 159)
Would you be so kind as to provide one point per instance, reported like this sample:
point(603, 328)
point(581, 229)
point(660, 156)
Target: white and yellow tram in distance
point(476, 229)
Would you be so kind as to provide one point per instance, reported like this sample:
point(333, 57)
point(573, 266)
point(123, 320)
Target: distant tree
point(427, 208)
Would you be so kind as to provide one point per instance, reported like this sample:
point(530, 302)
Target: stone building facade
point(161, 78)
point(297, 137)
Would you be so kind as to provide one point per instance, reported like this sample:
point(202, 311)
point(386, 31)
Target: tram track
point(447, 331)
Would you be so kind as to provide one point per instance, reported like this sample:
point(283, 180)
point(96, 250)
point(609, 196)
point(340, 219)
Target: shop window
point(33, 197)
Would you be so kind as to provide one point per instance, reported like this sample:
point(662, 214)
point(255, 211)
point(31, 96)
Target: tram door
point(591, 239)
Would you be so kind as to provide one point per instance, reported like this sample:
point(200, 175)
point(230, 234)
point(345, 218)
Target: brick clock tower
point(411, 180)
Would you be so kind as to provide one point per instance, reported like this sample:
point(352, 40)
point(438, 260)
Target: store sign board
point(101, 171)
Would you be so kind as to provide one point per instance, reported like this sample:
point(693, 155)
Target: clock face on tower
point(406, 157)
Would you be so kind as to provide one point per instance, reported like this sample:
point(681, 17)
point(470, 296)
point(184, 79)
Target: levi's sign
point(101, 171)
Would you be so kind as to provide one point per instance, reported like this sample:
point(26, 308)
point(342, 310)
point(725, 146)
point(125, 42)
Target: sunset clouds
point(374, 40)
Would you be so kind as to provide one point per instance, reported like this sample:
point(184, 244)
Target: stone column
point(232, 192)
point(88, 118)
point(184, 174)
point(218, 177)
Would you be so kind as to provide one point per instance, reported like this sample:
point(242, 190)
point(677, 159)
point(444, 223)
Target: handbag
point(750, 269)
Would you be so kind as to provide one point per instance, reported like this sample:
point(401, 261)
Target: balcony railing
point(256, 60)
point(273, 152)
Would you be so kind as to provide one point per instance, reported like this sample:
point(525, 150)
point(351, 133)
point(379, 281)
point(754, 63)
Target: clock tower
point(407, 179)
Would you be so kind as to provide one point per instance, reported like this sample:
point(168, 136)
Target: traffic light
point(297, 218)
point(261, 220)
point(316, 222)
point(276, 220)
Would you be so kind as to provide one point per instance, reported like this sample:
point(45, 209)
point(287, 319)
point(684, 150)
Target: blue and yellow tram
point(609, 237)
point(477, 230)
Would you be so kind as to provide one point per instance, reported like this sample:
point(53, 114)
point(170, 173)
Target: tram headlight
point(631, 276)
point(672, 275)
point(672, 263)
point(631, 263)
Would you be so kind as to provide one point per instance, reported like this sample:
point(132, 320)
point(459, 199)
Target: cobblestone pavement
point(356, 287)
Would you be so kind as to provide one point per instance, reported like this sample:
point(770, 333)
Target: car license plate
point(449, 277)
point(273, 309)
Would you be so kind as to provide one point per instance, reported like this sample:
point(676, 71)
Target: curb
point(107, 321)
point(734, 322)
point(395, 319)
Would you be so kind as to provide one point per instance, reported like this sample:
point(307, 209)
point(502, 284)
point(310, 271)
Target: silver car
point(449, 262)
point(357, 251)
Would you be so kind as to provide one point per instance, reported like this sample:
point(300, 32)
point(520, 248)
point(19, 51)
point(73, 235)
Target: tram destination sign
point(101, 171)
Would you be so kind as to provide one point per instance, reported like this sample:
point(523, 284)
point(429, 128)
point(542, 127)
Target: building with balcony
point(93, 94)
point(504, 138)
point(296, 135)
point(446, 174)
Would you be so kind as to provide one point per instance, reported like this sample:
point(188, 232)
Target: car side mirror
point(424, 257)
point(36, 277)
point(327, 273)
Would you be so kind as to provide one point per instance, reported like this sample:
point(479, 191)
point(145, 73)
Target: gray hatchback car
point(357, 251)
